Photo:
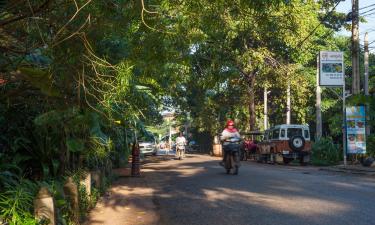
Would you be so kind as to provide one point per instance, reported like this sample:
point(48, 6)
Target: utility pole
point(366, 64)
point(319, 129)
point(355, 47)
point(265, 100)
point(170, 137)
point(288, 104)
point(366, 82)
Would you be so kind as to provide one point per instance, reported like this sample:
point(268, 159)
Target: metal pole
point(344, 144)
point(170, 138)
point(318, 103)
point(366, 82)
point(288, 108)
point(366, 64)
point(265, 99)
point(355, 47)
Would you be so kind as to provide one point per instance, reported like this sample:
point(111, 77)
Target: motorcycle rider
point(229, 132)
point(180, 140)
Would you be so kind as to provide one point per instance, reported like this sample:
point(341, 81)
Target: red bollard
point(136, 163)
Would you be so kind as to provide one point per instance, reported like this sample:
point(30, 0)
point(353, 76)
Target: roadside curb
point(350, 169)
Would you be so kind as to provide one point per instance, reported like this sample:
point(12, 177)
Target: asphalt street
point(196, 191)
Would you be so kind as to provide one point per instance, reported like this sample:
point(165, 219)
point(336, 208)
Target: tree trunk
point(251, 96)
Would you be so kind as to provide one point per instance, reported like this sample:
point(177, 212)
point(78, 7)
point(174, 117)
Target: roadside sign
point(331, 69)
point(356, 129)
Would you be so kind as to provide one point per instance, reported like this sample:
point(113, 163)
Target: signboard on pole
point(356, 129)
point(331, 68)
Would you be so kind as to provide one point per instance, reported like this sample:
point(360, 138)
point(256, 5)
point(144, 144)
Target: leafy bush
point(95, 194)
point(371, 145)
point(325, 152)
point(16, 203)
point(84, 201)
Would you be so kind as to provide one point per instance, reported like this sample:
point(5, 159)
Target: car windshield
point(306, 133)
point(146, 139)
point(294, 132)
point(275, 134)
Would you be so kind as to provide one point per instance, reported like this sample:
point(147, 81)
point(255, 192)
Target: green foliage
point(371, 145)
point(9, 171)
point(245, 49)
point(95, 195)
point(84, 201)
point(75, 145)
point(42, 80)
point(16, 203)
point(325, 152)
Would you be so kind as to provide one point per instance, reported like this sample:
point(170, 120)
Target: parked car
point(285, 143)
point(147, 145)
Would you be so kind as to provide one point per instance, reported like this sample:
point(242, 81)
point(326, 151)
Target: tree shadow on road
point(197, 191)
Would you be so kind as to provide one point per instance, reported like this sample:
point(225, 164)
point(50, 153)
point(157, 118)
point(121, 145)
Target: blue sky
point(346, 7)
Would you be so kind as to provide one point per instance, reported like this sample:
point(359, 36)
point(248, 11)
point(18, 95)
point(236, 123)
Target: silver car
point(147, 147)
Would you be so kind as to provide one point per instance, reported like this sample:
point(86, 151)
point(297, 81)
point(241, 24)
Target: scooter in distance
point(180, 151)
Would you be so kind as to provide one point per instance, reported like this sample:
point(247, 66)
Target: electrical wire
point(363, 13)
point(313, 31)
point(368, 14)
point(367, 31)
point(366, 7)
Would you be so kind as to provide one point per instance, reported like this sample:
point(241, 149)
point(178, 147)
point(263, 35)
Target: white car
point(148, 146)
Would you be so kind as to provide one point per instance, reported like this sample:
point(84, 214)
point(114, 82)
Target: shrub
point(325, 152)
point(16, 203)
point(371, 145)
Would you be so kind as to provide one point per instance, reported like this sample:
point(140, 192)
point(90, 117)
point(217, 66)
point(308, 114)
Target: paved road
point(165, 152)
point(197, 191)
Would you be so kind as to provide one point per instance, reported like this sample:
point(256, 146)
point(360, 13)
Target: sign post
point(356, 129)
point(332, 75)
point(331, 69)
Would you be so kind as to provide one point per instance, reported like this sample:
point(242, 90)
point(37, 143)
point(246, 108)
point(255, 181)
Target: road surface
point(196, 191)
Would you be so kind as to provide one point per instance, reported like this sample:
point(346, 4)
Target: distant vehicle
point(147, 145)
point(285, 143)
point(164, 142)
point(249, 145)
point(192, 146)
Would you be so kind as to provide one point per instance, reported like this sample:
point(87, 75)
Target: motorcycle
point(180, 151)
point(192, 146)
point(232, 158)
point(248, 149)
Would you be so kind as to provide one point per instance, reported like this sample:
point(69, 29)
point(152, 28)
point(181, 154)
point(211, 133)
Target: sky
point(346, 6)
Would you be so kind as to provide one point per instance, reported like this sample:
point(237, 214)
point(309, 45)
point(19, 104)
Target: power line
point(321, 22)
point(367, 11)
point(367, 31)
point(369, 14)
point(366, 7)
